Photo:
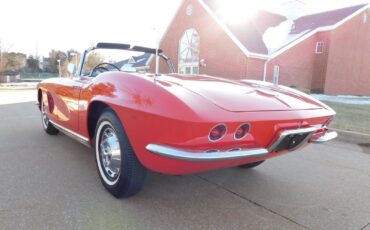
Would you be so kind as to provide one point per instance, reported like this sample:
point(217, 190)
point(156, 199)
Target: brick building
point(327, 52)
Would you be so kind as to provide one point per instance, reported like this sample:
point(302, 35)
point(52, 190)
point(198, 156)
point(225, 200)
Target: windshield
point(121, 60)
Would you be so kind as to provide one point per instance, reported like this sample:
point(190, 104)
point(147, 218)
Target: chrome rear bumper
point(181, 154)
point(327, 137)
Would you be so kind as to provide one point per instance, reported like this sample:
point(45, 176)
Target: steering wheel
point(101, 69)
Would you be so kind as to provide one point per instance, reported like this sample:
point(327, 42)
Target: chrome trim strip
point(327, 137)
point(234, 149)
point(180, 154)
point(285, 133)
point(212, 151)
point(84, 140)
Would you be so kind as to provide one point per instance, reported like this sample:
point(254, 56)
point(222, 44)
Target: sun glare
point(238, 11)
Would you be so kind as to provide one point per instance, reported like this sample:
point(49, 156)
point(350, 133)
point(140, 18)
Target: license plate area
point(292, 139)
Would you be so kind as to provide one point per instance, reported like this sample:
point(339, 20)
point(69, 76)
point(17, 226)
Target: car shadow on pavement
point(365, 147)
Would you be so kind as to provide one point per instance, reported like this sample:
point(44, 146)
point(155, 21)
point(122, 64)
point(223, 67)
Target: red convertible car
point(173, 124)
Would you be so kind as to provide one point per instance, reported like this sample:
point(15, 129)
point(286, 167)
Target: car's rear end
point(218, 123)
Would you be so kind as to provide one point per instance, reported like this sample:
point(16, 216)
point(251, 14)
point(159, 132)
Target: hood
point(244, 96)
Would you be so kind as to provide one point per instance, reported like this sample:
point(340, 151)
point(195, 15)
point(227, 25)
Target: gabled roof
point(135, 61)
point(249, 33)
point(329, 18)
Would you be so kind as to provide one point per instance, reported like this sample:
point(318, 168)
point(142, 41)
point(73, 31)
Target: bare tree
point(33, 64)
point(54, 56)
point(93, 60)
point(14, 61)
point(3, 51)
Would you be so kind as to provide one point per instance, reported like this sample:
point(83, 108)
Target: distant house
point(326, 52)
point(135, 63)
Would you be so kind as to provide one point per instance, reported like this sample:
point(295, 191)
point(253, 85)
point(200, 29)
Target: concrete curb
point(352, 137)
point(18, 86)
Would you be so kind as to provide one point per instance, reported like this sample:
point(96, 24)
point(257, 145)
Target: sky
point(31, 26)
point(47, 24)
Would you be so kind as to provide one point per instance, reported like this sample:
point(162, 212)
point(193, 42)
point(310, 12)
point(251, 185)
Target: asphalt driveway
point(50, 182)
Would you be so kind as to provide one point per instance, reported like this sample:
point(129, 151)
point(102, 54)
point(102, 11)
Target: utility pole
point(1, 59)
point(75, 55)
point(156, 51)
point(36, 51)
point(1, 56)
point(59, 67)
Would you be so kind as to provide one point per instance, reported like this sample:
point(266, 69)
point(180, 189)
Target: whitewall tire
point(120, 171)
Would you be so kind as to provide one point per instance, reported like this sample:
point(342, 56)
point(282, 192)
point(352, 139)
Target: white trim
point(319, 29)
point(231, 35)
point(276, 74)
point(80, 138)
point(364, 18)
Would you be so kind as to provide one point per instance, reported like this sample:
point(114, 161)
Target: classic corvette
point(170, 123)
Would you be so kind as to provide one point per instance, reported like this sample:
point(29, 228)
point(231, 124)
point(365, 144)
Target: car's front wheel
point(119, 169)
point(46, 124)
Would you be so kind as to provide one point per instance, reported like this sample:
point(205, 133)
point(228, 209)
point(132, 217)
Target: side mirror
point(71, 68)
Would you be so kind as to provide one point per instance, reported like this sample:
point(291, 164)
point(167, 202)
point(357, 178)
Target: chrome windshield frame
point(119, 46)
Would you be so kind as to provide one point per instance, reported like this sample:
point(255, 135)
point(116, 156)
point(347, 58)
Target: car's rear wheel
point(46, 124)
point(119, 169)
point(251, 165)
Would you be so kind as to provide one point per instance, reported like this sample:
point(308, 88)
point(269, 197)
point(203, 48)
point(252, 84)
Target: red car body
point(168, 118)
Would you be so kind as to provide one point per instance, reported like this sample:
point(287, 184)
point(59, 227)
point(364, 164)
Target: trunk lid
point(244, 96)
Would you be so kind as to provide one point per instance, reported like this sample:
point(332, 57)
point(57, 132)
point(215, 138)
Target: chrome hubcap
point(44, 116)
point(110, 153)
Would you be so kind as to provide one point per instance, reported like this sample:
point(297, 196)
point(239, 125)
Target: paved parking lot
point(10, 96)
point(50, 182)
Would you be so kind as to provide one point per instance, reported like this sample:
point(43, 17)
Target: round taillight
point(241, 131)
point(217, 132)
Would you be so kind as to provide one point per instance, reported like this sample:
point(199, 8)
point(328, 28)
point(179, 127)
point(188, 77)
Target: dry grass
point(351, 117)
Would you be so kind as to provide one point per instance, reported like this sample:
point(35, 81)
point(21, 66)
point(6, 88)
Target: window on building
point(189, 53)
point(319, 47)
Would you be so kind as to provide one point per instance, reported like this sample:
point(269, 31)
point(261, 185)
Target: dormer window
point(131, 60)
point(319, 47)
